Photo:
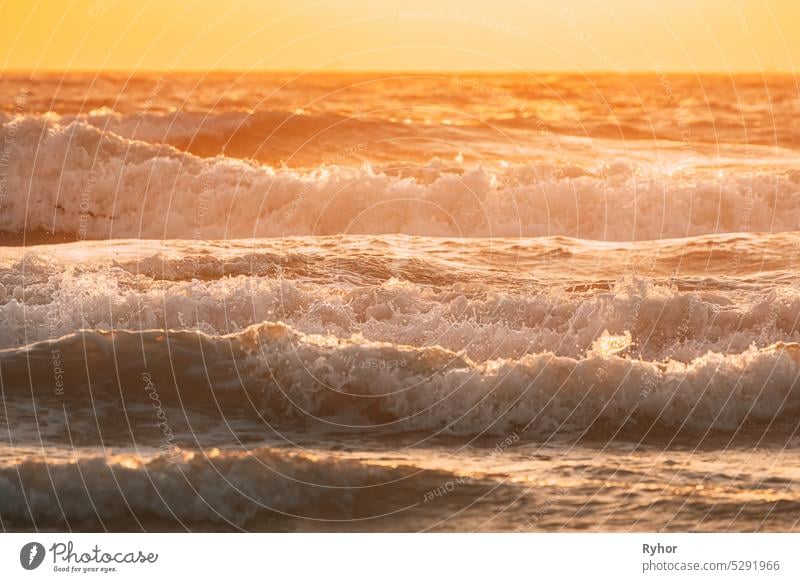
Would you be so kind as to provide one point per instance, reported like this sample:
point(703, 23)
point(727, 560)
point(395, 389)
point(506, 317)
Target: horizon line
point(298, 72)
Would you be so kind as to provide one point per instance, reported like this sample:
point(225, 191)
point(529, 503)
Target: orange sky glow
point(361, 35)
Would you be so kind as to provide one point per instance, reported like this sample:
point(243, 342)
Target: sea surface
point(363, 302)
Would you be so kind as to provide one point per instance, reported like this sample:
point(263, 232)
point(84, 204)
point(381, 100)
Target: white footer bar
point(401, 557)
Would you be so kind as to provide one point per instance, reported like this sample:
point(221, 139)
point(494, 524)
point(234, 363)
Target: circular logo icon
point(31, 555)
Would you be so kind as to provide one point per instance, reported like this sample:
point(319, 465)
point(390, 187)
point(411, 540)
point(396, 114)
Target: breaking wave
point(294, 379)
point(82, 182)
point(41, 300)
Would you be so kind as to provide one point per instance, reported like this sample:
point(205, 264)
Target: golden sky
point(335, 35)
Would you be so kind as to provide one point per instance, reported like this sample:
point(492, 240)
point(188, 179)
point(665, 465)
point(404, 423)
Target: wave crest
point(78, 180)
point(355, 385)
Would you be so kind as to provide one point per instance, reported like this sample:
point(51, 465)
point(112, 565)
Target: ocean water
point(351, 302)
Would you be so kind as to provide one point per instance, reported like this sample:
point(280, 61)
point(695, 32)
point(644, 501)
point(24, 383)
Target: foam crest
point(322, 382)
point(80, 181)
point(420, 303)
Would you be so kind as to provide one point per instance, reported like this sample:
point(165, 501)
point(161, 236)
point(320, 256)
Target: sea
point(399, 302)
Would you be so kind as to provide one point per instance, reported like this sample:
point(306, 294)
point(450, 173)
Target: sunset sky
point(338, 35)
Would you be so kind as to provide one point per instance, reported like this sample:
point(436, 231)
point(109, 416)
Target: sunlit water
point(432, 302)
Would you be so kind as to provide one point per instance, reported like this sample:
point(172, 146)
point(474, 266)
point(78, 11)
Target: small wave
point(232, 490)
point(269, 136)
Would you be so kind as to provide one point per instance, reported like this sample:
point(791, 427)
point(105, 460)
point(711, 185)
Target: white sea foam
point(77, 180)
point(434, 299)
point(356, 384)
